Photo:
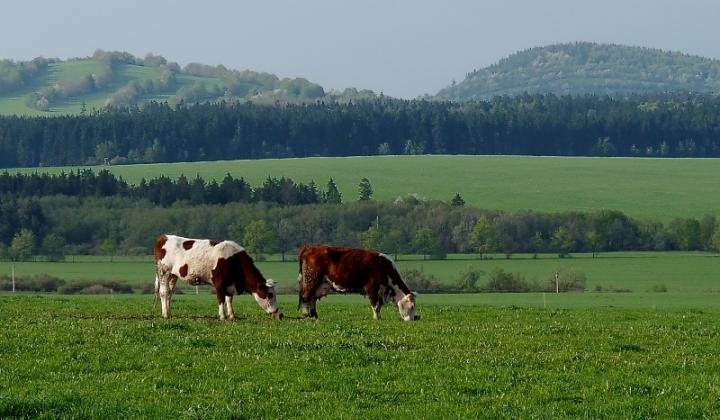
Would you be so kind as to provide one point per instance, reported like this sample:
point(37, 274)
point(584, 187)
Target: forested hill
point(118, 79)
point(656, 125)
point(584, 67)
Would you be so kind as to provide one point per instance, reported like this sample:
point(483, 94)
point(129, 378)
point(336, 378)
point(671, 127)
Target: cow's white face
point(269, 303)
point(406, 306)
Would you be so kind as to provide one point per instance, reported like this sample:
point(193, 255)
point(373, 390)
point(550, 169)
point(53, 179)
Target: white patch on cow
point(337, 287)
point(201, 259)
point(268, 304)
point(405, 302)
point(221, 311)
point(228, 307)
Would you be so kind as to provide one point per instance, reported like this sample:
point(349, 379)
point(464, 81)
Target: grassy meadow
point(643, 188)
point(500, 355)
point(690, 279)
point(109, 357)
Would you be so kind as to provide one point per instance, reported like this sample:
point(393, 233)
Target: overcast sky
point(401, 47)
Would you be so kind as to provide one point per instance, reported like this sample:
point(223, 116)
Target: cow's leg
point(165, 287)
point(309, 293)
point(220, 293)
point(311, 306)
point(375, 303)
point(228, 307)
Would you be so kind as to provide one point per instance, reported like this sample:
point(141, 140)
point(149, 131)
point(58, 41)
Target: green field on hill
point(73, 70)
point(642, 187)
point(109, 357)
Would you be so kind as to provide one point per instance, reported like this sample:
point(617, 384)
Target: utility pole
point(557, 282)
point(13, 275)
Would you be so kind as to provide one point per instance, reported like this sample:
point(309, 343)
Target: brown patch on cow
point(213, 243)
point(218, 273)
point(188, 244)
point(183, 270)
point(159, 251)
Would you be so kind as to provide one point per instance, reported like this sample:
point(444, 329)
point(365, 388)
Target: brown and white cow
point(352, 270)
point(224, 265)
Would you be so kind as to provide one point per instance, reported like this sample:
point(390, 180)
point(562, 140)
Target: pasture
point(101, 356)
point(643, 188)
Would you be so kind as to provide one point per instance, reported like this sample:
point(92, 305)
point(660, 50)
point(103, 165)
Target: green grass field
point(110, 357)
point(644, 188)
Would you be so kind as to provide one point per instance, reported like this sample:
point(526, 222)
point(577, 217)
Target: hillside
point(51, 86)
point(582, 68)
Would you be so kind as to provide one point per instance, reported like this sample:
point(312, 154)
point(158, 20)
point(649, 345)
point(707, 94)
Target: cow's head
point(267, 299)
point(406, 306)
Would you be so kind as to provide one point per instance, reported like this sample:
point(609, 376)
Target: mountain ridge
point(588, 68)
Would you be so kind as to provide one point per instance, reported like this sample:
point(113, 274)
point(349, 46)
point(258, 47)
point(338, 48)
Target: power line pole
point(13, 275)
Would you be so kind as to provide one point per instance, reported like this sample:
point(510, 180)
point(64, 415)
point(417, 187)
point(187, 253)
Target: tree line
point(164, 191)
point(656, 125)
point(59, 224)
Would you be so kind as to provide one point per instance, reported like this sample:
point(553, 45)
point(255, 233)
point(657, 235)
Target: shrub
point(469, 279)
point(568, 281)
point(36, 283)
point(611, 289)
point(416, 279)
point(500, 281)
point(95, 287)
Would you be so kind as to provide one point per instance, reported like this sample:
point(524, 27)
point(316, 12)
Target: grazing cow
point(350, 270)
point(224, 265)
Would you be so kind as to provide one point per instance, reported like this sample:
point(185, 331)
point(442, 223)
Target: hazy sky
point(400, 47)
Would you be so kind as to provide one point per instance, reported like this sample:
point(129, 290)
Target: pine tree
point(457, 201)
point(365, 190)
point(332, 195)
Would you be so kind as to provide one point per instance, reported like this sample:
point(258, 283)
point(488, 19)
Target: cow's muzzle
point(277, 315)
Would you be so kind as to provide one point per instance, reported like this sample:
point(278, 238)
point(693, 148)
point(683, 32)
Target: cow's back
point(192, 259)
point(346, 268)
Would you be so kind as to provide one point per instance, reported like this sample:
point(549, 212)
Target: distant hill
point(589, 68)
point(51, 87)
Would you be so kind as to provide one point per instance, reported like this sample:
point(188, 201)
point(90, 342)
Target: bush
point(611, 289)
point(36, 283)
point(568, 281)
point(500, 281)
point(416, 279)
point(468, 280)
point(95, 287)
